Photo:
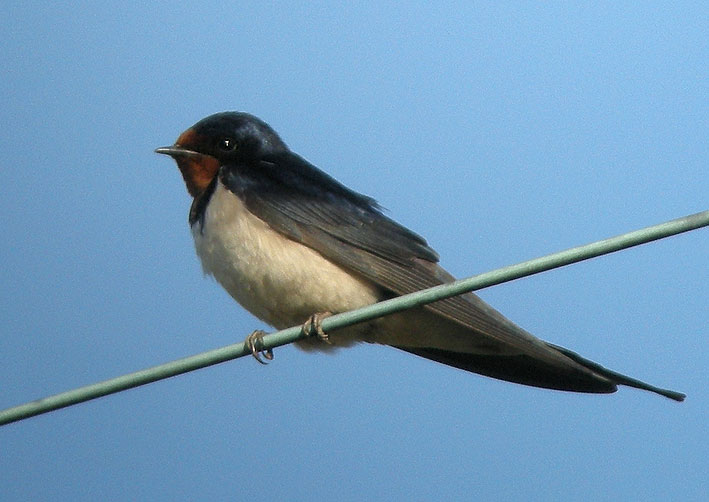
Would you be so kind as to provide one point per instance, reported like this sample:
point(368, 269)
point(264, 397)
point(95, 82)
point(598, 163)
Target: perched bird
point(292, 244)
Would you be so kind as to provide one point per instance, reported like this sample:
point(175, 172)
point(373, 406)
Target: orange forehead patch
point(197, 171)
point(187, 138)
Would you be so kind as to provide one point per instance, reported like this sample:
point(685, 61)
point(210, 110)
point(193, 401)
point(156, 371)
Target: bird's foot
point(254, 339)
point(313, 326)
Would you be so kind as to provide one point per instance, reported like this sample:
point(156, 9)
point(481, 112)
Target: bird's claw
point(256, 338)
point(313, 326)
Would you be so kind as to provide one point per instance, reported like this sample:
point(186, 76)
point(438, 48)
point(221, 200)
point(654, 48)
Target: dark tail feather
point(589, 377)
point(618, 377)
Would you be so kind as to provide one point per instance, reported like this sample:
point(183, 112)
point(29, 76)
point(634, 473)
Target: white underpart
point(278, 280)
point(283, 283)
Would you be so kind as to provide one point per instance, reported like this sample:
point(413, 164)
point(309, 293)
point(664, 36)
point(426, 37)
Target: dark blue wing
point(287, 186)
point(305, 204)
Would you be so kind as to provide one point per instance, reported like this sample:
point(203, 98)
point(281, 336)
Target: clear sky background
point(499, 132)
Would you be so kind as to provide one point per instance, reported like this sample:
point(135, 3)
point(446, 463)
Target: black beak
point(177, 151)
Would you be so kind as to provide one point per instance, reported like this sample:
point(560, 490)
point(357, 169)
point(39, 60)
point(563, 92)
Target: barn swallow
point(290, 243)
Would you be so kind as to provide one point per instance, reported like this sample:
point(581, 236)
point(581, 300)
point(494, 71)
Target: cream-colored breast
point(278, 280)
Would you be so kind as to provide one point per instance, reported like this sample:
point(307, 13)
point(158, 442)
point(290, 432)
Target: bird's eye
point(226, 144)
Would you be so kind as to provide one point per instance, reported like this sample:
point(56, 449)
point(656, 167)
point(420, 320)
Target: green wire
point(345, 319)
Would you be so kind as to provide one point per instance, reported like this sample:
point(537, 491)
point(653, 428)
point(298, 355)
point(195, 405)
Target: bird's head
point(222, 138)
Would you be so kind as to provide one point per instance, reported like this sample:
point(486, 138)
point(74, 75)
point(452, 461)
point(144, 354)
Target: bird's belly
point(275, 278)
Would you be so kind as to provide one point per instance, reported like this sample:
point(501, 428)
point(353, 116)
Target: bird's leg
point(313, 326)
point(256, 338)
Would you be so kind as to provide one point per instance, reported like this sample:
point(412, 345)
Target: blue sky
point(499, 132)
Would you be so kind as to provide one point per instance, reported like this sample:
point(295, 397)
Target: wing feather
point(348, 228)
